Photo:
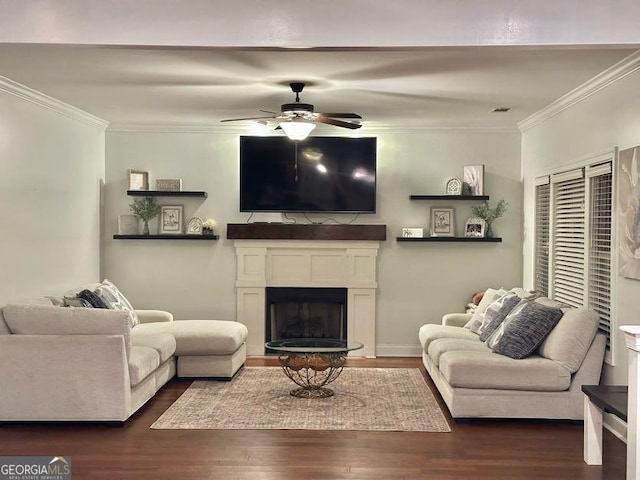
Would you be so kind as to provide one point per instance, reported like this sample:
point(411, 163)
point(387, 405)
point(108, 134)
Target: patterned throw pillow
point(490, 296)
point(496, 313)
point(524, 329)
point(93, 299)
point(115, 300)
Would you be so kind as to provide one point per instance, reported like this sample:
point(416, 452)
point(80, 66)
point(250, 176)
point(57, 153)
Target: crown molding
point(367, 129)
point(25, 93)
point(624, 67)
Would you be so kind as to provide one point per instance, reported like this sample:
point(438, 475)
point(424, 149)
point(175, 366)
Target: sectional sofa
point(76, 364)
point(475, 380)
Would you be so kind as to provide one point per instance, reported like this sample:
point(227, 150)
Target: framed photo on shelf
point(474, 227)
point(412, 232)
point(171, 219)
point(473, 180)
point(442, 222)
point(194, 226)
point(138, 180)
point(169, 184)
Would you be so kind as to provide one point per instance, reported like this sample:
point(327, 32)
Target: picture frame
point(412, 233)
point(473, 180)
point(137, 180)
point(443, 222)
point(194, 226)
point(169, 184)
point(474, 227)
point(171, 219)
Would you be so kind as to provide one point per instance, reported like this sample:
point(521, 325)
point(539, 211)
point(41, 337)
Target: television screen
point(321, 174)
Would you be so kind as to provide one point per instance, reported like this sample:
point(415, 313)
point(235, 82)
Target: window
point(573, 239)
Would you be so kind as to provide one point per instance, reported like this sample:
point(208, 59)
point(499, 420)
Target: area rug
point(382, 399)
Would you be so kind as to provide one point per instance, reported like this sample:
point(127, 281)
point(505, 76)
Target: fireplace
point(305, 313)
point(305, 265)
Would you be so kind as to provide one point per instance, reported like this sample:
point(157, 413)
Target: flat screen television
point(321, 174)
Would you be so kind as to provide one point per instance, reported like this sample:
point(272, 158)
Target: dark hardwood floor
point(476, 450)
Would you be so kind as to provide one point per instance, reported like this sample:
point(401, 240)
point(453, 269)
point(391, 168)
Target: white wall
point(418, 283)
point(609, 118)
point(51, 169)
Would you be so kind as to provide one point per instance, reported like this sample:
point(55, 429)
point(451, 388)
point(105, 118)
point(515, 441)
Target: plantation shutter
point(542, 206)
point(568, 238)
point(600, 211)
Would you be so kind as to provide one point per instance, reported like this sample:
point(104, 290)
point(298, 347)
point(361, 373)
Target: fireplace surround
point(349, 264)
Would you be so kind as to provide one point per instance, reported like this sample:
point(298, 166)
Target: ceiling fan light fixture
point(297, 129)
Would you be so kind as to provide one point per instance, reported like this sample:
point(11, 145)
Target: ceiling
point(408, 87)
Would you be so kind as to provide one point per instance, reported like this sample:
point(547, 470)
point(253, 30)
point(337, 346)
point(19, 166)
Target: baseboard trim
point(391, 350)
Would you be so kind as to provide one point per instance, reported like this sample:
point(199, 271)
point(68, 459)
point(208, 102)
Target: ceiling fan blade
point(338, 123)
point(247, 118)
point(340, 115)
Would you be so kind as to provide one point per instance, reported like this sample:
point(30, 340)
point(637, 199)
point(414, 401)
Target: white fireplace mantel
point(308, 263)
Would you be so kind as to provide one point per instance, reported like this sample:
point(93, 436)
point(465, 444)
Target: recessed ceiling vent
point(500, 109)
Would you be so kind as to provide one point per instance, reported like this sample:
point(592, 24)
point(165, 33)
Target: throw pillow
point(92, 298)
point(115, 300)
point(496, 313)
point(489, 297)
point(76, 302)
point(525, 329)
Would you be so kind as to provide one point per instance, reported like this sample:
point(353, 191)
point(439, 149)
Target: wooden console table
point(600, 399)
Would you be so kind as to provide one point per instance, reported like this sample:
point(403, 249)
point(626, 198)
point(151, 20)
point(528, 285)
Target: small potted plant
point(489, 214)
point(145, 208)
point(208, 226)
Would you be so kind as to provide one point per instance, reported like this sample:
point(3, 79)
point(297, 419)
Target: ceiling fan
point(299, 119)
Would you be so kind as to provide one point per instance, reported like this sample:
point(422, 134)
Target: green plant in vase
point(489, 214)
point(145, 208)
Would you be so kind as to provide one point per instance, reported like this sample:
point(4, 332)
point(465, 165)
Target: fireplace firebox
point(305, 313)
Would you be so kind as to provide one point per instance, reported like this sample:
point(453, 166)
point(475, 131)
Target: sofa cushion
point(143, 361)
point(486, 370)
point(490, 296)
point(50, 320)
point(441, 345)
point(431, 332)
point(524, 329)
point(201, 337)
point(115, 300)
point(571, 338)
point(496, 313)
point(163, 343)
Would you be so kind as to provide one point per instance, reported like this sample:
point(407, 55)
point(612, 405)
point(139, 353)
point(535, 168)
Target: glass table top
point(313, 345)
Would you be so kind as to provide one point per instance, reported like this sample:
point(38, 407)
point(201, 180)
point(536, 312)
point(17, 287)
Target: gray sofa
point(60, 363)
point(474, 381)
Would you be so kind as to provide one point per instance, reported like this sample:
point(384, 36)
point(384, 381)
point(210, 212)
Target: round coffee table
point(312, 363)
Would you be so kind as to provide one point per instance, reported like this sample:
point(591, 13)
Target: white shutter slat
point(568, 238)
point(542, 206)
point(600, 205)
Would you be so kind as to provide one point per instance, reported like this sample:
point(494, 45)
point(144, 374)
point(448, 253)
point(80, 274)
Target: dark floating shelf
point(163, 193)
point(450, 239)
point(166, 237)
point(449, 197)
